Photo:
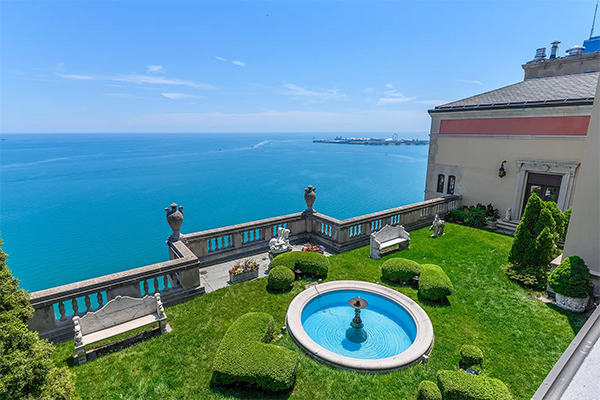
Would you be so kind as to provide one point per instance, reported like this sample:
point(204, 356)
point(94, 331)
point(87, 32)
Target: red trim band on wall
point(575, 126)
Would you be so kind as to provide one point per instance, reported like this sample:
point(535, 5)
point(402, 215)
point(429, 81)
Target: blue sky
point(327, 67)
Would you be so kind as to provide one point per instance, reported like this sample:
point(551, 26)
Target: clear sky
point(328, 67)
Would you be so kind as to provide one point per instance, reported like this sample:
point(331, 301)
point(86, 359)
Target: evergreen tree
point(533, 245)
point(559, 219)
point(26, 370)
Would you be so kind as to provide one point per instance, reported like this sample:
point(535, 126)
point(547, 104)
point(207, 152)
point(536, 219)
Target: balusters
point(166, 283)
point(88, 304)
point(75, 307)
point(61, 310)
point(100, 299)
point(145, 285)
point(156, 285)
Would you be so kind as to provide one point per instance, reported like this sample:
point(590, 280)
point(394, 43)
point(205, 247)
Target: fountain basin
point(400, 332)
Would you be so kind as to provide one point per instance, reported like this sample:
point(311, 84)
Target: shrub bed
point(280, 278)
point(307, 262)
point(470, 355)
point(434, 284)
point(399, 269)
point(461, 386)
point(244, 355)
point(571, 278)
point(429, 391)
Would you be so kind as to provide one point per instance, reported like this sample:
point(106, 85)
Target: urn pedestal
point(175, 219)
point(309, 197)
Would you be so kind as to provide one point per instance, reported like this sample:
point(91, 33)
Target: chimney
point(554, 49)
point(540, 54)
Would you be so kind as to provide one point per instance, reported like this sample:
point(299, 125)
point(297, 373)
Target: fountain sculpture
point(356, 333)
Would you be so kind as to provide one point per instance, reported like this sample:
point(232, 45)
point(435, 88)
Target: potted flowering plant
point(243, 271)
point(313, 248)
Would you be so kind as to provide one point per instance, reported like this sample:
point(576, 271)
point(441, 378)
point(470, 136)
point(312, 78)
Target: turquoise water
point(390, 328)
point(75, 207)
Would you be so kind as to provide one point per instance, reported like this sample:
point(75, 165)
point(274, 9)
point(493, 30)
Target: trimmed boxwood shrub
point(434, 284)
point(429, 391)
point(571, 278)
point(399, 269)
point(280, 278)
point(245, 356)
point(461, 386)
point(305, 261)
point(470, 355)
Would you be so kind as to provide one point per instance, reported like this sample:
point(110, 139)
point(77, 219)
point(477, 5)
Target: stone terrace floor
point(217, 276)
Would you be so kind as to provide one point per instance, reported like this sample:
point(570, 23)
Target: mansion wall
point(468, 147)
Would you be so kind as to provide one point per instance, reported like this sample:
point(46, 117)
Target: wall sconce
point(502, 171)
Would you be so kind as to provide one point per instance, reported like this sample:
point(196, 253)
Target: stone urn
point(175, 219)
point(575, 304)
point(309, 197)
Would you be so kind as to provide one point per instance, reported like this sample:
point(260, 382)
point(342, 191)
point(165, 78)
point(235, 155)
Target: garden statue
point(281, 243)
point(507, 216)
point(437, 226)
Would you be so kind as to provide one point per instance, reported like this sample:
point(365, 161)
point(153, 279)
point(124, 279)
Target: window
point(440, 186)
point(451, 180)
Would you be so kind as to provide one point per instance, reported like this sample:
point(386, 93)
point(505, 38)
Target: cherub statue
point(437, 226)
point(281, 243)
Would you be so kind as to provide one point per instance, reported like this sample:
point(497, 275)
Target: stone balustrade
point(179, 278)
point(176, 280)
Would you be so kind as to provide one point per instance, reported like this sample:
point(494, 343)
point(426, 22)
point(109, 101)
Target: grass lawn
point(521, 337)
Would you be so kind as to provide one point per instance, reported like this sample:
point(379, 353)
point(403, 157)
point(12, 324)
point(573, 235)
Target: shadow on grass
point(247, 391)
point(279, 291)
point(412, 284)
point(443, 302)
point(576, 321)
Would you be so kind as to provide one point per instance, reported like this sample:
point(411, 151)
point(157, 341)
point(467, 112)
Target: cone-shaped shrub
point(571, 278)
point(559, 219)
point(533, 245)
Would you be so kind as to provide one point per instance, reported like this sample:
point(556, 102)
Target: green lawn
point(521, 337)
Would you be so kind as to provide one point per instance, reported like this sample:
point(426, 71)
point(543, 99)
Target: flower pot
point(575, 304)
point(245, 276)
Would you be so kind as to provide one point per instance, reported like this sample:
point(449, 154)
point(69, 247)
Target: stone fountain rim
point(421, 346)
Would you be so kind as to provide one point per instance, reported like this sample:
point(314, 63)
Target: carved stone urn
point(175, 219)
point(309, 197)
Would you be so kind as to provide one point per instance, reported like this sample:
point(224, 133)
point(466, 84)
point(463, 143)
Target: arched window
point(440, 185)
point(451, 181)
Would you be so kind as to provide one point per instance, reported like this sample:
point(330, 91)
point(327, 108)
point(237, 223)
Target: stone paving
point(217, 276)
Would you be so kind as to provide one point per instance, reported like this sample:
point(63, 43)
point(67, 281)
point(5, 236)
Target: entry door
point(544, 185)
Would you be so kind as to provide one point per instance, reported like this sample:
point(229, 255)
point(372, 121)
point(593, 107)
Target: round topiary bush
point(434, 284)
point(399, 269)
point(307, 262)
point(470, 355)
point(429, 391)
point(571, 278)
point(280, 278)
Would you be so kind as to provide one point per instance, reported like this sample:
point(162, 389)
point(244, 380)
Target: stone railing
point(176, 280)
point(179, 278)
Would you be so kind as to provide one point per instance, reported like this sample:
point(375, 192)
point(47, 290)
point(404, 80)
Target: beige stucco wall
point(583, 237)
point(480, 157)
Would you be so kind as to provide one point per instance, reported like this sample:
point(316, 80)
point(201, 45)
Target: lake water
point(75, 207)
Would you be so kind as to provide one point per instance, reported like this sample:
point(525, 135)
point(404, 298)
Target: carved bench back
point(117, 311)
point(390, 232)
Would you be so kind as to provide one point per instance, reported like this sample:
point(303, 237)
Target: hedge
point(429, 391)
point(434, 284)
point(244, 355)
point(571, 278)
point(462, 386)
point(305, 261)
point(280, 278)
point(470, 355)
point(399, 269)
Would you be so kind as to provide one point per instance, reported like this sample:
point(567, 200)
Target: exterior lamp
point(502, 171)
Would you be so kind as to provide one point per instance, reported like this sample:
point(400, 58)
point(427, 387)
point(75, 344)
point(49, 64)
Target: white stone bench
point(386, 237)
point(120, 315)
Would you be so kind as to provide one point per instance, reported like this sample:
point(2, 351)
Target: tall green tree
point(533, 245)
point(26, 370)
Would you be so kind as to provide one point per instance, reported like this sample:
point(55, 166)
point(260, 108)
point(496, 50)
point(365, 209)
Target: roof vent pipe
point(554, 49)
point(575, 50)
point(540, 53)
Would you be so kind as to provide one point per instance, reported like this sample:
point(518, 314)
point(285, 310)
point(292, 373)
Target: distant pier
point(374, 142)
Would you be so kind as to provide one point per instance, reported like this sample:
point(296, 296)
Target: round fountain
point(356, 333)
point(388, 330)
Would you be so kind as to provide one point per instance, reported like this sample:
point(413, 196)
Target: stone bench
point(386, 237)
point(120, 315)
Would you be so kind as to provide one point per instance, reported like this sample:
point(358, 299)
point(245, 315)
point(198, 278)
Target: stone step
point(507, 227)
